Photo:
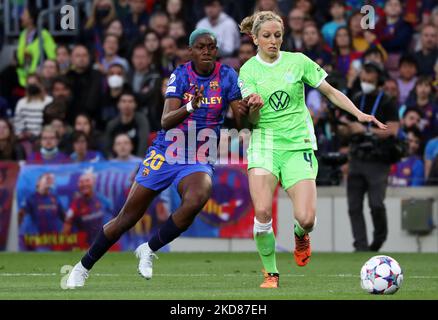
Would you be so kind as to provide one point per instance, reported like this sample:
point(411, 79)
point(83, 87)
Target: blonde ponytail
point(251, 25)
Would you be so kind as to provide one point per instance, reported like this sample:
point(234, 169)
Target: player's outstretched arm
point(342, 101)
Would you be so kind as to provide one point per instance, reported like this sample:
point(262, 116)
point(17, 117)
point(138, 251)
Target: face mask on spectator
point(115, 81)
point(33, 89)
point(48, 152)
point(102, 13)
point(367, 87)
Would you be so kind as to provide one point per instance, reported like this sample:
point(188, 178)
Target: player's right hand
point(197, 99)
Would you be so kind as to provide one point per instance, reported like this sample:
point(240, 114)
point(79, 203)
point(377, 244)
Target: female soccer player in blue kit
point(197, 97)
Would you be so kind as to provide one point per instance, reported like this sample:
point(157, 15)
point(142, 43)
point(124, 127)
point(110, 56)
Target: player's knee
point(195, 200)
point(263, 214)
point(308, 221)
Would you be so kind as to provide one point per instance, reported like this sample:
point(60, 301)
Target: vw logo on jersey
point(279, 100)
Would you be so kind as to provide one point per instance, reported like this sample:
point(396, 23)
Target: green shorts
point(288, 166)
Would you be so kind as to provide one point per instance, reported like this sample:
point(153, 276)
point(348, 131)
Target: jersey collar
point(272, 64)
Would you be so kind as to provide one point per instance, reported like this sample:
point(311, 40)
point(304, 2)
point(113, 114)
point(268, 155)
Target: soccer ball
point(381, 275)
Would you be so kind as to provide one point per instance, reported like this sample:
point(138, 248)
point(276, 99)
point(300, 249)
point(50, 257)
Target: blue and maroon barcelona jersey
point(45, 211)
point(408, 172)
point(220, 88)
point(89, 214)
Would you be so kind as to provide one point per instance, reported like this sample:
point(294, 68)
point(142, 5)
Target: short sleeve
point(246, 83)
point(234, 90)
point(313, 73)
point(176, 84)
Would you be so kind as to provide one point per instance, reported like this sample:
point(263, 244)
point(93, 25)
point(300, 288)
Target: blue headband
point(200, 32)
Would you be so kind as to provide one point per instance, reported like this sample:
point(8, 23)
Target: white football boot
point(77, 276)
point(146, 255)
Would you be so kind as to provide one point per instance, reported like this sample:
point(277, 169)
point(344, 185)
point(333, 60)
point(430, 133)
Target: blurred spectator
point(313, 45)
point(63, 58)
point(49, 152)
point(224, 27)
point(133, 123)
point(28, 50)
point(143, 79)
point(391, 89)
point(428, 55)
point(10, 149)
point(28, 117)
point(363, 39)
point(116, 28)
point(122, 8)
point(343, 53)
point(337, 12)
point(151, 42)
point(267, 5)
point(177, 29)
point(110, 56)
point(63, 132)
point(407, 77)
point(409, 171)
point(87, 83)
point(102, 13)
point(175, 10)
point(83, 123)
point(136, 22)
point(430, 155)
point(394, 33)
point(411, 119)
point(159, 23)
point(116, 81)
point(49, 71)
point(293, 39)
point(88, 211)
point(434, 16)
point(169, 55)
point(310, 10)
point(81, 151)
point(122, 149)
point(62, 101)
point(422, 97)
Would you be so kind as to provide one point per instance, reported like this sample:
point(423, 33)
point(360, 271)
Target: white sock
point(262, 227)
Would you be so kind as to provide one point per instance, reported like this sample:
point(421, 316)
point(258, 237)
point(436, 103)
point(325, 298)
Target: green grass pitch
point(202, 276)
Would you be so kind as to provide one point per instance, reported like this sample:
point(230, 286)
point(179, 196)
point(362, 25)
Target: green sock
point(265, 242)
point(299, 231)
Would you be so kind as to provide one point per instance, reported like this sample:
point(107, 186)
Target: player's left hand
point(363, 117)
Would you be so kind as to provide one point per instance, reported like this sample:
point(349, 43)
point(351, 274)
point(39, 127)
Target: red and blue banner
point(8, 179)
point(62, 207)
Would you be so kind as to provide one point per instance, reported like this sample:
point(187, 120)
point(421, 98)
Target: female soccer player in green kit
point(283, 140)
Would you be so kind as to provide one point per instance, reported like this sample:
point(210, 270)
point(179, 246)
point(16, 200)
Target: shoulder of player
point(181, 69)
point(226, 69)
point(249, 64)
point(294, 56)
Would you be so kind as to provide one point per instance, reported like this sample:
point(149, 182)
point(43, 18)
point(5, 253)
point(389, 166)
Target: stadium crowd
point(99, 95)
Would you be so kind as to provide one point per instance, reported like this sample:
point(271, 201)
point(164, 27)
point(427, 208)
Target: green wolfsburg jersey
point(284, 117)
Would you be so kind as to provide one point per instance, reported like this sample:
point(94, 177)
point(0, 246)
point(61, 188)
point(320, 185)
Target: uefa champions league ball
point(381, 275)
